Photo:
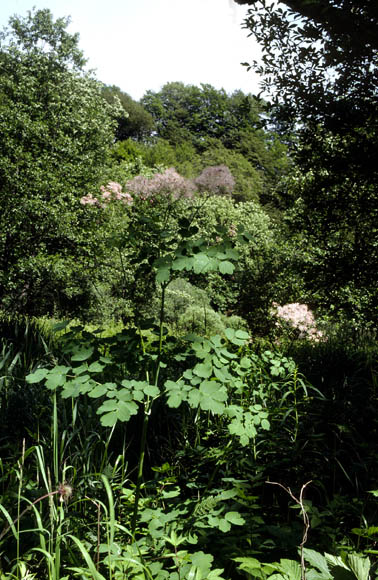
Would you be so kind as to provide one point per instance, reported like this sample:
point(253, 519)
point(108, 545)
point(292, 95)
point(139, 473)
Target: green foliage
point(241, 416)
point(197, 113)
point(260, 276)
point(317, 567)
point(122, 403)
point(336, 216)
point(24, 344)
point(203, 126)
point(147, 444)
point(56, 132)
point(327, 98)
point(248, 179)
point(136, 122)
point(324, 34)
point(188, 310)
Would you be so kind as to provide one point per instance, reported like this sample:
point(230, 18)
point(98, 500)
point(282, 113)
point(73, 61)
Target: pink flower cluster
point(112, 191)
point(216, 180)
point(167, 183)
point(89, 200)
point(299, 317)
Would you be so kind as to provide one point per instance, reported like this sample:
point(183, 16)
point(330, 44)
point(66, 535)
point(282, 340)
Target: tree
point(314, 70)
point(319, 68)
point(56, 130)
point(187, 112)
point(248, 179)
point(341, 18)
point(136, 123)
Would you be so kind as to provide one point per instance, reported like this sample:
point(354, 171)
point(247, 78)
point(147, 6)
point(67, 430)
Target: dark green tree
point(136, 123)
point(195, 114)
point(340, 18)
point(56, 130)
point(319, 68)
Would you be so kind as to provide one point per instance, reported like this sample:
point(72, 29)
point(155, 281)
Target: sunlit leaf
point(37, 376)
point(83, 354)
point(226, 267)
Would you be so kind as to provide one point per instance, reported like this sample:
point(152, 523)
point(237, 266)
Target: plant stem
point(21, 466)
point(147, 413)
point(142, 451)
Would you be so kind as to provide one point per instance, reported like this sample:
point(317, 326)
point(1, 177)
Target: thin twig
point(306, 519)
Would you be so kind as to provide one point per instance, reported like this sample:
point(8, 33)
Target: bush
point(188, 310)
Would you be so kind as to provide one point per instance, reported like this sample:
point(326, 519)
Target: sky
point(140, 45)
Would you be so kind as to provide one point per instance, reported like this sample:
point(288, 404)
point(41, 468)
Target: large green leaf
point(176, 393)
point(209, 397)
point(98, 391)
point(318, 561)
point(163, 274)
point(182, 263)
point(75, 388)
point(290, 568)
point(82, 354)
point(71, 390)
point(360, 566)
point(250, 565)
point(95, 367)
point(203, 370)
point(202, 561)
point(151, 390)
point(57, 377)
point(37, 376)
point(226, 267)
point(234, 518)
point(114, 410)
point(237, 337)
point(201, 263)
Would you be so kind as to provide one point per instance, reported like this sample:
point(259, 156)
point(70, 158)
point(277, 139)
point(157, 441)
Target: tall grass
point(24, 344)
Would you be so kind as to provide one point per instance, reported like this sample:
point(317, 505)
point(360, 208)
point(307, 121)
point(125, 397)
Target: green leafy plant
point(318, 567)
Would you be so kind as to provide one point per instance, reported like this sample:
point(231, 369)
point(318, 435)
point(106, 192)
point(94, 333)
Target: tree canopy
point(136, 122)
point(340, 18)
point(56, 130)
point(320, 74)
point(187, 112)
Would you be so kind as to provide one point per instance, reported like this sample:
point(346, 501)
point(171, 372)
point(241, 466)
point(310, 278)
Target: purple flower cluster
point(299, 317)
point(167, 183)
point(217, 179)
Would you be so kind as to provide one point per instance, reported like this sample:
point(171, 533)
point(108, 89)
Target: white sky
point(142, 44)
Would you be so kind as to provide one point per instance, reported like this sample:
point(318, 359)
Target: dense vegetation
point(188, 360)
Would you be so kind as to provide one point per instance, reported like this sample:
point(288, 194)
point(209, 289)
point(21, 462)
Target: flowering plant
point(167, 183)
point(299, 317)
point(112, 191)
point(216, 179)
